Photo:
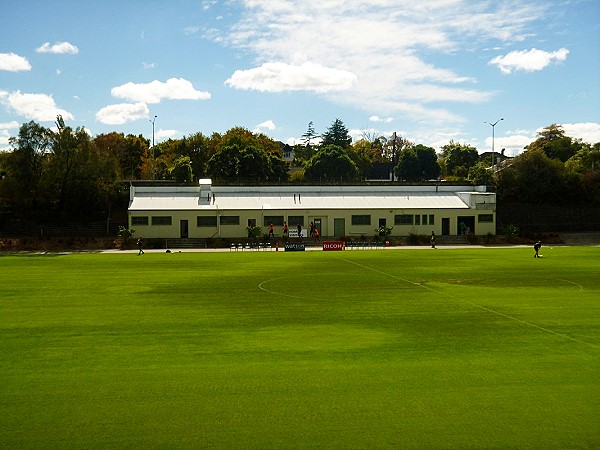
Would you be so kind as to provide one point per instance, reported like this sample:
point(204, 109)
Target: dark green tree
point(181, 170)
point(459, 158)
point(331, 163)
point(24, 167)
point(337, 134)
point(417, 163)
point(553, 142)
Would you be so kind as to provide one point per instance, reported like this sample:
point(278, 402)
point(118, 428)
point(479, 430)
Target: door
point(183, 229)
point(318, 225)
point(465, 224)
point(445, 226)
point(339, 227)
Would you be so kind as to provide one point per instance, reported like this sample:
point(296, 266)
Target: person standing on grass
point(285, 229)
point(432, 240)
point(271, 231)
point(140, 244)
point(537, 247)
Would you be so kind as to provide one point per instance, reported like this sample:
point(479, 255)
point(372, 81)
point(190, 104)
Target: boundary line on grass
point(484, 308)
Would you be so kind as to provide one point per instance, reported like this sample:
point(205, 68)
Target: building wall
point(357, 223)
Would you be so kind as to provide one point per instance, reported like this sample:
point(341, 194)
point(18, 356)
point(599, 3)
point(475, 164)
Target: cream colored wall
point(327, 217)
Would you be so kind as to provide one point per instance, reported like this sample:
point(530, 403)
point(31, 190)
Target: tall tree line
point(65, 173)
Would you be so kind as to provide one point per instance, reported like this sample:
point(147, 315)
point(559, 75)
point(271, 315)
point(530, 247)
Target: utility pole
point(152, 122)
point(493, 125)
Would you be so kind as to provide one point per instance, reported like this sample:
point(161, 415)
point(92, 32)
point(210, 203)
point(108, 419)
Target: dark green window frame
point(206, 221)
point(229, 220)
point(275, 220)
point(485, 218)
point(361, 219)
point(403, 219)
point(295, 220)
point(162, 220)
point(139, 220)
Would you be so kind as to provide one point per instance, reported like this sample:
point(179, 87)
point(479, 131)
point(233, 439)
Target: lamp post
point(152, 122)
point(493, 125)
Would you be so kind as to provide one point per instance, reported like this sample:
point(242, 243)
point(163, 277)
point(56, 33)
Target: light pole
point(152, 122)
point(493, 125)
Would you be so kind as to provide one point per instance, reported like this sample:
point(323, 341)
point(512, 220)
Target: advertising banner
point(294, 247)
point(333, 246)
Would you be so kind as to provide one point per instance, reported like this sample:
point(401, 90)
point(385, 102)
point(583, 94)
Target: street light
point(152, 122)
point(493, 125)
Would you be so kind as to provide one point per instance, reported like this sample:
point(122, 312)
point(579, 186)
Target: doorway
point(183, 229)
point(465, 224)
point(339, 227)
point(445, 226)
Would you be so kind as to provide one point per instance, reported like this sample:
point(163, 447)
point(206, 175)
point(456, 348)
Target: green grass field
point(458, 348)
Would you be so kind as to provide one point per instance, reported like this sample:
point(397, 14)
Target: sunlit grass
point(358, 349)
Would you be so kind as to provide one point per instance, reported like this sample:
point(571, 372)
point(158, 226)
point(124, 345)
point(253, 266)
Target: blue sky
point(430, 70)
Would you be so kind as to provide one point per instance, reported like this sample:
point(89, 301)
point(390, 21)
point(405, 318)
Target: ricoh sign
point(333, 246)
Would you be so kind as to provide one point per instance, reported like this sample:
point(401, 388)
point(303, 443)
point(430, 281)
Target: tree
point(459, 158)
point(533, 178)
point(244, 156)
point(181, 170)
point(553, 142)
point(333, 163)
point(337, 134)
point(25, 167)
point(79, 181)
point(417, 163)
point(310, 135)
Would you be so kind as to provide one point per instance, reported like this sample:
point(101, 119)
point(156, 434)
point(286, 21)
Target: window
point(403, 219)
point(275, 220)
point(424, 219)
point(431, 219)
point(363, 219)
point(417, 219)
point(139, 220)
point(206, 221)
point(485, 218)
point(162, 220)
point(295, 220)
point(230, 220)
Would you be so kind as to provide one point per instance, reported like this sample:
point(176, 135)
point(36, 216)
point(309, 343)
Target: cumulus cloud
point(280, 77)
point(122, 113)
point(528, 60)
point(39, 107)
point(383, 50)
point(60, 48)
point(588, 131)
point(166, 134)
point(266, 125)
point(155, 91)
point(12, 62)
point(378, 119)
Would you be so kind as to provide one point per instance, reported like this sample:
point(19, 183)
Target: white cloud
point(528, 60)
point(155, 91)
point(378, 119)
point(39, 107)
point(281, 77)
point(266, 125)
point(61, 48)
point(513, 144)
point(385, 44)
point(12, 62)
point(122, 113)
point(166, 134)
point(9, 125)
point(588, 132)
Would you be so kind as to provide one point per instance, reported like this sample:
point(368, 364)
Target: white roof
point(287, 198)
